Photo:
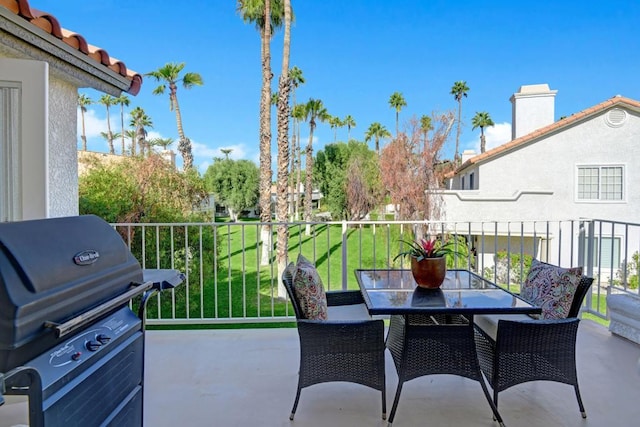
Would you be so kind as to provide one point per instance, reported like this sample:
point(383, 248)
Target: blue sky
point(355, 53)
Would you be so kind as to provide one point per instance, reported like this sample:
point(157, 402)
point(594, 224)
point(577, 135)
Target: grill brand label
point(86, 257)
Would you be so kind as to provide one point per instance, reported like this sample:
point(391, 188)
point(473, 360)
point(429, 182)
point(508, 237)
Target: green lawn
point(234, 284)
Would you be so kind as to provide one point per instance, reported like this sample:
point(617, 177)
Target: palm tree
point(376, 131)
point(131, 135)
point(481, 120)
point(282, 181)
point(314, 110)
point(226, 152)
point(425, 126)
point(335, 123)
point(160, 142)
point(458, 91)
point(296, 79)
point(140, 121)
point(169, 75)
point(83, 101)
point(108, 101)
point(397, 101)
point(266, 15)
point(349, 122)
point(109, 137)
point(123, 101)
point(298, 113)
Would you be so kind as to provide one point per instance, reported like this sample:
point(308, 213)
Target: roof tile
point(49, 23)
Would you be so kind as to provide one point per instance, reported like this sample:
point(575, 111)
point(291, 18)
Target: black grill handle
point(78, 322)
point(163, 278)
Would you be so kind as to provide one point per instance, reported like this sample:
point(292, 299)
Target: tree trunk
point(456, 156)
point(397, 123)
point(122, 126)
point(265, 138)
point(110, 134)
point(482, 141)
point(84, 133)
point(283, 153)
point(308, 187)
point(299, 174)
point(184, 144)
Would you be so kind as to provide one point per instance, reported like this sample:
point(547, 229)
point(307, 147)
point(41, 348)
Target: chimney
point(169, 156)
point(466, 155)
point(533, 107)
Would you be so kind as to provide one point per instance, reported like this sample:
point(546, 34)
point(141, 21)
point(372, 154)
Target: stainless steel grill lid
point(55, 269)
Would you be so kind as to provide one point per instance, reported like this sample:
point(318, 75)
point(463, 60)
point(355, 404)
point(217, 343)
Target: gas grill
point(68, 337)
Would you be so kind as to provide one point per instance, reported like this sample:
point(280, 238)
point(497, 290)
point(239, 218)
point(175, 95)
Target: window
point(9, 150)
point(600, 183)
point(23, 139)
point(471, 186)
point(462, 186)
point(606, 252)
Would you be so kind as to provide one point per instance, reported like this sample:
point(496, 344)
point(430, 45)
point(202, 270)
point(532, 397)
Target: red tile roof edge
point(616, 100)
point(49, 23)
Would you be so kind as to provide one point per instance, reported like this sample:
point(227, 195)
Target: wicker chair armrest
point(344, 298)
point(541, 336)
point(319, 336)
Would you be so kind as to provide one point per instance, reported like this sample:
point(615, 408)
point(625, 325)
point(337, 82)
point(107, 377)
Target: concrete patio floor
point(248, 378)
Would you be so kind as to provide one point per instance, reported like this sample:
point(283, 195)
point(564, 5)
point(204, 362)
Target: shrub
point(510, 268)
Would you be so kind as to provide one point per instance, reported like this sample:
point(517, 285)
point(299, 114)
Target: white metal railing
point(226, 283)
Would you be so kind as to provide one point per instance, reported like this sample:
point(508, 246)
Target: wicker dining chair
point(532, 350)
point(338, 350)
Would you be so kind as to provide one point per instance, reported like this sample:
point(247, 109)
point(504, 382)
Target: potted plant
point(428, 260)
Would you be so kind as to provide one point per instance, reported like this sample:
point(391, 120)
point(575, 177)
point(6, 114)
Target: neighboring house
point(42, 65)
point(583, 166)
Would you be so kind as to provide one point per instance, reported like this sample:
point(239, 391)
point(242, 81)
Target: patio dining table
point(431, 330)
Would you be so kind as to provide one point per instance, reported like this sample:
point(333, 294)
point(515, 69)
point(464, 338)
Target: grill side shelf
point(78, 322)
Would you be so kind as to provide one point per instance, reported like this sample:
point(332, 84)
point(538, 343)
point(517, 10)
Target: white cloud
point(203, 154)
point(495, 136)
point(92, 123)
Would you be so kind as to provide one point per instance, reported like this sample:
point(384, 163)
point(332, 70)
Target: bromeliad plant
point(434, 248)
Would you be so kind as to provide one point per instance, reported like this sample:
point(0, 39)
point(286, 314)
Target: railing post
point(588, 271)
point(344, 255)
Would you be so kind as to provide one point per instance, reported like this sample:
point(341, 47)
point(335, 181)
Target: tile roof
point(553, 127)
point(49, 23)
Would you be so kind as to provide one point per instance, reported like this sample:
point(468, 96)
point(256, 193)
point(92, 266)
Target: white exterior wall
point(46, 166)
point(63, 164)
point(533, 107)
point(539, 181)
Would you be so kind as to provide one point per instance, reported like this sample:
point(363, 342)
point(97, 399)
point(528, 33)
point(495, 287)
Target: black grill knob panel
point(93, 345)
point(103, 338)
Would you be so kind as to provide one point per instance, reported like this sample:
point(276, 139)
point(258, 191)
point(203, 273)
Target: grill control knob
point(92, 345)
point(103, 338)
point(76, 355)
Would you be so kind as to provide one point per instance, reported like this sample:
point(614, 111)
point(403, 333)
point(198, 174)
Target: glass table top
point(396, 292)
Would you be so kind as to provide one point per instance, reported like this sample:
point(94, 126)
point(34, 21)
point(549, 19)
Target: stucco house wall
point(534, 178)
point(43, 66)
point(63, 165)
point(539, 179)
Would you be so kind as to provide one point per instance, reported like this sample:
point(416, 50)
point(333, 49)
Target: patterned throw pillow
point(551, 288)
point(309, 290)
